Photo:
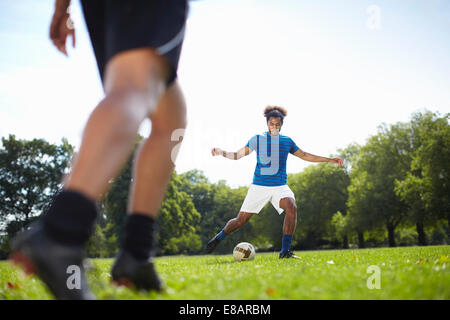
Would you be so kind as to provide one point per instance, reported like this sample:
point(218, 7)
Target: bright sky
point(341, 68)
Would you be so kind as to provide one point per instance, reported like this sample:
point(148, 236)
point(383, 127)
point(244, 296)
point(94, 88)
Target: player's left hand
point(62, 26)
point(338, 161)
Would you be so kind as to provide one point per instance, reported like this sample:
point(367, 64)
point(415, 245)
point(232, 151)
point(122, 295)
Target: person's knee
point(291, 208)
point(122, 109)
point(173, 129)
point(242, 219)
point(240, 222)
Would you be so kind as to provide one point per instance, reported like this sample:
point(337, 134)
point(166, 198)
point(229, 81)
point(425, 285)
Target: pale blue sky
point(338, 75)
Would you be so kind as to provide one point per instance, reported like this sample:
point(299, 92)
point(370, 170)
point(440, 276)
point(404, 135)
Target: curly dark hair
point(276, 112)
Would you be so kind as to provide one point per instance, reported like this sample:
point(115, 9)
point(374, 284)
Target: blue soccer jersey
point(271, 156)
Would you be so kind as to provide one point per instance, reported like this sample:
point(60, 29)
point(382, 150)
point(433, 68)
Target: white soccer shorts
point(258, 196)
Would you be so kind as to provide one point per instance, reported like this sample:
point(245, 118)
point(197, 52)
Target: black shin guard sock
point(140, 236)
point(71, 218)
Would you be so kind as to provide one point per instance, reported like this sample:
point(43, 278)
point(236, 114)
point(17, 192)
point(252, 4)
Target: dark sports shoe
point(131, 272)
point(59, 266)
point(288, 255)
point(212, 244)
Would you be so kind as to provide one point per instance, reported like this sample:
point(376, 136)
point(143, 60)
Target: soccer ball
point(243, 251)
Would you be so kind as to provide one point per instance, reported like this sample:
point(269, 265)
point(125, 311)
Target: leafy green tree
point(340, 226)
point(178, 221)
point(321, 191)
point(382, 160)
point(115, 202)
point(31, 172)
point(359, 205)
point(202, 193)
point(103, 243)
point(349, 154)
point(426, 187)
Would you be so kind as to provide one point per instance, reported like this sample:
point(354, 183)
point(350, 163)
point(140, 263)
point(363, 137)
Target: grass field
point(405, 273)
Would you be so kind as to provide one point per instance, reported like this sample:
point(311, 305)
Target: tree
point(383, 160)
point(426, 187)
point(349, 154)
point(178, 221)
point(341, 226)
point(197, 186)
point(360, 215)
point(31, 172)
point(103, 242)
point(116, 200)
point(321, 191)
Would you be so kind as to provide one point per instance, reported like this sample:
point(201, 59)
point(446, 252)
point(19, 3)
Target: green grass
point(406, 273)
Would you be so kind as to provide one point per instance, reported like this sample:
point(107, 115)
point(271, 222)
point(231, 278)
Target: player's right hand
point(61, 26)
point(216, 151)
point(338, 161)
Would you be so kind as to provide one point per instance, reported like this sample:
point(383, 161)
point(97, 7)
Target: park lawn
point(405, 273)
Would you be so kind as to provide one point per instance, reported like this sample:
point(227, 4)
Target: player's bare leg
point(231, 226)
point(290, 221)
point(153, 167)
point(238, 222)
point(290, 218)
point(155, 158)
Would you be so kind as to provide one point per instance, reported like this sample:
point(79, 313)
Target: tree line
point(393, 190)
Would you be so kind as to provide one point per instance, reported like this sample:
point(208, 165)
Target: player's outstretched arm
point(313, 158)
point(245, 151)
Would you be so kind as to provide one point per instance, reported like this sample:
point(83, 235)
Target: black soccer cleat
point(135, 273)
point(59, 266)
point(212, 244)
point(288, 255)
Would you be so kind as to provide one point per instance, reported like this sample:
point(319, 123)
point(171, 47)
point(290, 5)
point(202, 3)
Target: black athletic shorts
point(118, 25)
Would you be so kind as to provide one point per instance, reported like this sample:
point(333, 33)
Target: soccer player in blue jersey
point(269, 180)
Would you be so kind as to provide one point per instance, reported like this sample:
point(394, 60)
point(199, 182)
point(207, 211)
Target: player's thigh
point(170, 113)
point(136, 69)
point(256, 198)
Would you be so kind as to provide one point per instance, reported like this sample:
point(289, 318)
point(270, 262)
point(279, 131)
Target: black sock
point(71, 218)
point(140, 235)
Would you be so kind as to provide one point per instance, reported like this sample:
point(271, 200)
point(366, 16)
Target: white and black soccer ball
point(243, 251)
